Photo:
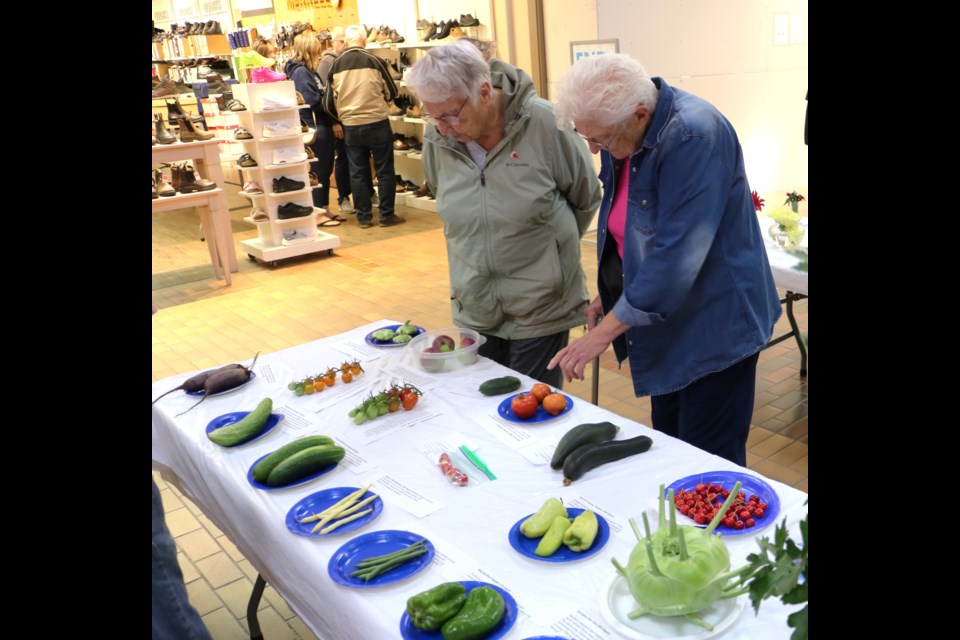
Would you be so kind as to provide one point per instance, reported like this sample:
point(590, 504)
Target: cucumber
point(262, 469)
point(580, 435)
point(499, 386)
point(303, 463)
point(589, 456)
point(247, 427)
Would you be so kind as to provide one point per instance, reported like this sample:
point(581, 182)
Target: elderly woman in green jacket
point(516, 195)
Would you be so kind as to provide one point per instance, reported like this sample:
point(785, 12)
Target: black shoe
point(365, 224)
point(468, 20)
point(391, 220)
point(283, 183)
point(293, 210)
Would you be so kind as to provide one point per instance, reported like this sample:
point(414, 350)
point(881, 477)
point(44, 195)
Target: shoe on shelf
point(189, 133)
point(294, 236)
point(288, 156)
point(310, 154)
point(391, 221)
point(246, 160)
point(251, 59)
point(251, 188)
point(279, 129)
point(276, 102)
point(164, 135)
point(189, 183)
point(422, 190)
point(166, 87)
point(163, 188)
point(293, 210)
point(259, 215)
point(468, 20)
point(284, 184)
point(266, 74)
point(216, 84)
point(236, 105)
point(314, 181)
point(346, 206)
point(242, 134)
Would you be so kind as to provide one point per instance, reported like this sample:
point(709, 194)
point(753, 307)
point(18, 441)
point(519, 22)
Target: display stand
point(212, 205)
point(273, 242)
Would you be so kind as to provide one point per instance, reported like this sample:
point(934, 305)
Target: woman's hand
point(338, 131)
point(574, 357)
point(594, 313)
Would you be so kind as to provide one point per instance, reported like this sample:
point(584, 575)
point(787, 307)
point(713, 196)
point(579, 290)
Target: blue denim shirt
point(698, 291)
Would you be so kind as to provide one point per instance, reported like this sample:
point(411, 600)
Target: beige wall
point(723, 52)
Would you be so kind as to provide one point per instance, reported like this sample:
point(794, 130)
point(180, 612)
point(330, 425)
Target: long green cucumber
point(262, 469)
point(305, 462)
point(580, 435)
point(499, 386)
point(247, 427)
point(590, 456)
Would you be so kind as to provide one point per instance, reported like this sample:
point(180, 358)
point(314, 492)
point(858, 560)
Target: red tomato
point(409, 399)
point(524, 405)
point(554, 403)
point(540, 391)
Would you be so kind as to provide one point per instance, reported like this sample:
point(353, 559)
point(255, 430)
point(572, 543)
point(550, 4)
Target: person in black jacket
point(341, 167)
point(301, 68)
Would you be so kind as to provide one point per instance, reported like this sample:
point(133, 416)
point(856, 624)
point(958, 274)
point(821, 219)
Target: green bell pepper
point(583, 531)
point(481, 613)
point(429, 609)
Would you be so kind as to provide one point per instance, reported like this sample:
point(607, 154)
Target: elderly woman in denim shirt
point(686, 292)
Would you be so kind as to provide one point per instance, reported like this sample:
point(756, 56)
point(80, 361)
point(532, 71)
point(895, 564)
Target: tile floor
point(398, 272)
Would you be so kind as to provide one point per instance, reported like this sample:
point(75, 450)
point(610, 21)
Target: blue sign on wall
point(586, 48)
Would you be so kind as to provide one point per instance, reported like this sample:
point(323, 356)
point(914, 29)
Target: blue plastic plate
point(541, 415)
point(295, 483)
point(410, 632)
point(200, 393)
point(317, 502)
point(377, 543)
point(369, 339)
point(237, 416)
point(527, 546)
point(751, 485)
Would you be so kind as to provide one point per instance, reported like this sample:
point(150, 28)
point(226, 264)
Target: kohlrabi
point(680, 569)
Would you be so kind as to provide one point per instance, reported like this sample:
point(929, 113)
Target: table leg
point(252, 606)
point(595, 383)
point(796, 330)
point(206, 220)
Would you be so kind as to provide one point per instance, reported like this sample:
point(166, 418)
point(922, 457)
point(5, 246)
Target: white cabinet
point(272, 110)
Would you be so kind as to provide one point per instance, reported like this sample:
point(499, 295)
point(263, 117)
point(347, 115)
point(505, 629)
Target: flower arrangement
point(793, 199)
point(757, 201)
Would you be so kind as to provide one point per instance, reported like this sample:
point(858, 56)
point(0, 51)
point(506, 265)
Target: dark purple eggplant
point(195, 383)
point(221, 381)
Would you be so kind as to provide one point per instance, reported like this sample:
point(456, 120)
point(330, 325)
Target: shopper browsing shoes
point(341, 166)
point(359, 94)
point(300, 68)
point(516, 195)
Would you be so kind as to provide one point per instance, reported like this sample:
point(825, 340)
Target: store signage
point(213, 6)
point(586, 48)
point(185, 9)
point(162, 13)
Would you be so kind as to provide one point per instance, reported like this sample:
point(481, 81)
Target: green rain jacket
point(513, 229)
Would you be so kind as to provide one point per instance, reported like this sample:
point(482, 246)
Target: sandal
point(338, 218)
point(242, 134)
point(327, 222)
point(246, 160)
point(236, 105)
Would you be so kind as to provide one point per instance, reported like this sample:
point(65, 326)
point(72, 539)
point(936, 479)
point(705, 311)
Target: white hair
point(604, 89)
point(454, 70)
point(355, 34)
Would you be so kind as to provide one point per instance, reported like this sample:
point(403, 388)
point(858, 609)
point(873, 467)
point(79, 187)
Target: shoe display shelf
point(273, 240)
point(212, 204)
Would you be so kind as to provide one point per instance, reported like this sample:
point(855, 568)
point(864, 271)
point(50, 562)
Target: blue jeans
point(363, 140)
point(174, 618)
point(529, 356)
point(712, 413)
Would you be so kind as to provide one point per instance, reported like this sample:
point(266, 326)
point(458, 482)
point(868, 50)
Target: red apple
point(430, 363)
point(443, 344)
point(466, 342)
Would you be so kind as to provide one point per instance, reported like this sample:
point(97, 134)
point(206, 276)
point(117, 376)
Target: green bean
point(374, 560)
point(371, 572)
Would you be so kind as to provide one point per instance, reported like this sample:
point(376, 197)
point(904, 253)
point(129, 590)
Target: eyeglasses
point(452, 120)
point(603, 145)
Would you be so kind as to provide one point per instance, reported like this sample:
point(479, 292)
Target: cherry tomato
point(408, 399)
point(540, 391)
point(744, 514)
point(330, 379)
point(393, 403)
point(554, 404)
point(749, 522)
point(758, 513)
point(738, 525)
point(318, 385)
point(524, 406)
point(346, 376)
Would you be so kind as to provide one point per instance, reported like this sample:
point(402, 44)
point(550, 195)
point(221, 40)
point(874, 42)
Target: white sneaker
point(288, 156)
point(279, 129)
point(346, 206)
point(277, 102)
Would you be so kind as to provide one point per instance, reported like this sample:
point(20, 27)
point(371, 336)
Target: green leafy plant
point(776, 572)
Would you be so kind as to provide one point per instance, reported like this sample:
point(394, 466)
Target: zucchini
point(499, 386)
point(589, 456)
point(247, 427)
point(303, 463)
point(580, 435)
point(262, 469)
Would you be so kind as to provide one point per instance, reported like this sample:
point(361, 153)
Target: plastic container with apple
point(445, 349)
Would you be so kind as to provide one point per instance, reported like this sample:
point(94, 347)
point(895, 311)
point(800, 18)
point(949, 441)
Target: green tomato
point(360, 418)
point(372, 411)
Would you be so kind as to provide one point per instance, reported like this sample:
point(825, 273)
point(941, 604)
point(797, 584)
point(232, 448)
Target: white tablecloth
point(467, 525)
point(783, 264)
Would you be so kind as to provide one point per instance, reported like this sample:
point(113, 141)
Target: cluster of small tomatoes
point(347, 371)
point(705, 500)
point(386, 401)
point(524, 405)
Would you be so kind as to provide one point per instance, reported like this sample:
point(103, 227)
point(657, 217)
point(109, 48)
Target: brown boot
point(189, 133)
point(189, 183)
